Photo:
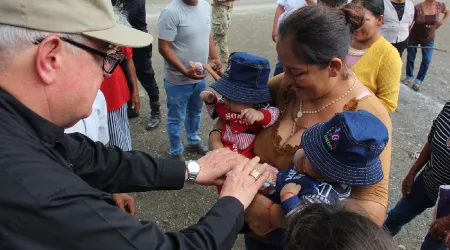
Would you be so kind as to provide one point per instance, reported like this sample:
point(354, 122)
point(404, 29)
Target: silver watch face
point(193, 167)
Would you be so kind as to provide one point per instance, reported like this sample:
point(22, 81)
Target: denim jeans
point(427, 54)
point(278, 68)
point(183, 104)
point(407, 209)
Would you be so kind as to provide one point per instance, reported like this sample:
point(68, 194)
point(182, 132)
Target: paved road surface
point(251, 32)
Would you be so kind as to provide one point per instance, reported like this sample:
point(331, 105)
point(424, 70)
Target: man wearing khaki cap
point(55, 188)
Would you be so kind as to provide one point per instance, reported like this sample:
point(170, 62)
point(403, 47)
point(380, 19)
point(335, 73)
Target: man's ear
point(49, 58)
point(335, 67)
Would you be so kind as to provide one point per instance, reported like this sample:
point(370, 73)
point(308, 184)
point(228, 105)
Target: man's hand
point(241, 184)
point(216, 164)
point(125, 203)
point(251, 116)
point(440, 229)
point(192, 73)
point(408, 183)
point(135, 101)
point(207, 97)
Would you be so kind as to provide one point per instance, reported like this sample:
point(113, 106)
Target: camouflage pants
point(221, 20)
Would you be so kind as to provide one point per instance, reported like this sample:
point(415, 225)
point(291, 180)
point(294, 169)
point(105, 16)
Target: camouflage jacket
point(221, 3)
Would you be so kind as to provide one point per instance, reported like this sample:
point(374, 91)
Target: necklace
point(356, 52)
point(301, 112)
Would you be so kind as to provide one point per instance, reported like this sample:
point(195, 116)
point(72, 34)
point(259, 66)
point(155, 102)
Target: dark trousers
point(401, 46)
point(408, 208)
point(142, 57)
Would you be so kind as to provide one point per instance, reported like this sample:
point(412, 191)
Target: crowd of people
point(297, 158)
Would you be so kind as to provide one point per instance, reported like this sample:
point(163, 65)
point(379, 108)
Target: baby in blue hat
point(245, 104)
point(335, 155)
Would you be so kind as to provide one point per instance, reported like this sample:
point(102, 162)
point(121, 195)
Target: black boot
point(155, 116)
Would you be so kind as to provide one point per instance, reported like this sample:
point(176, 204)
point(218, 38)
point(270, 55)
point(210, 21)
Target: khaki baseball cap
point(93, 18)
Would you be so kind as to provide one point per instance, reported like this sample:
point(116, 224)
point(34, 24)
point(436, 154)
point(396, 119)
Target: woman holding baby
point(312, 45)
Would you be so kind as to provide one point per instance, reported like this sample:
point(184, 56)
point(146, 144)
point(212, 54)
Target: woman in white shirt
point(398, 19)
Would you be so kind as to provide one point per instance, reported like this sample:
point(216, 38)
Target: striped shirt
point(437, 171)
point(237, 135)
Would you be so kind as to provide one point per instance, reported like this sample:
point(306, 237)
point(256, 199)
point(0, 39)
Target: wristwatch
point(192, 168)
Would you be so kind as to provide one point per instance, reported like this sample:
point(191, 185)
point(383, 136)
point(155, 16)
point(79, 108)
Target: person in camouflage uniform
point(221, 20)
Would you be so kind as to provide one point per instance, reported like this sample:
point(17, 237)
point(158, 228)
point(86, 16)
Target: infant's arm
point(210, 99)
point(270, 116)
point(290, 204)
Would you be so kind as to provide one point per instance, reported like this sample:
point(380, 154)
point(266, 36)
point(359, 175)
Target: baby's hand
point(299, 160)
point(207, 96)
point(289, 190)
point(251, 116)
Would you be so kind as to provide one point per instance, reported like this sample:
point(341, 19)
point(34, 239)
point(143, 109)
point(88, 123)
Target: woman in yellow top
point(376, 63)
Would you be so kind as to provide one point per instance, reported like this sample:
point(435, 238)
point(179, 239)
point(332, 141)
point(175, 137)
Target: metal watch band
point(192, 175)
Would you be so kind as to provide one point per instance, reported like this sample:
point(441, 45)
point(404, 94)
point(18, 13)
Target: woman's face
point(309, 81)
point(370, 28)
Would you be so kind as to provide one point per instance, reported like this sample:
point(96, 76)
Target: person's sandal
point(416, 87)
point(407, 81)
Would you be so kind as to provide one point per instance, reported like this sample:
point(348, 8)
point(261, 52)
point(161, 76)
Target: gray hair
point(121, 16)
point(13, 39)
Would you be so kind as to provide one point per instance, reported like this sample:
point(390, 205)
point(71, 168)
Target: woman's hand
point(408, 183)
point(135, 101)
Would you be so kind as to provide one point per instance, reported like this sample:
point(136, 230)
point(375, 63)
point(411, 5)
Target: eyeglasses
point(110, 60)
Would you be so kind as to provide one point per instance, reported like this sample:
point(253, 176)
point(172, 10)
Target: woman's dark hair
point(320, 33)
point(333, 3)
point(333, 227)
point(375, 6)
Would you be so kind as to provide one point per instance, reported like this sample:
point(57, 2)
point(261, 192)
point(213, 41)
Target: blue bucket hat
point(245, 79)
point(346, 149)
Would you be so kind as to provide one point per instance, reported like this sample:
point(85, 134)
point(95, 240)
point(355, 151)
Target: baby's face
point(237, 107)
point(303, 165)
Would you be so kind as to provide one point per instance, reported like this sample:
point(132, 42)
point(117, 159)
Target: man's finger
point(263, 178)
point(248, 168)
point(132, 207)
point(121, 205)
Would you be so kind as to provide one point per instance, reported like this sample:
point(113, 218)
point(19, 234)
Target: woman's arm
point(389, 76)
point(215, 137)
point(260, 220)
point(372, 200)
point(278, 12)
point(446, 13)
